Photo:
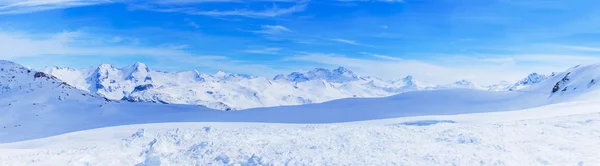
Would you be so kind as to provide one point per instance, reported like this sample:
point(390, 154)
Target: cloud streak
point(169, 6)
point(270, 51)
point(30, 6)
point(273, 29)
point(351, 42)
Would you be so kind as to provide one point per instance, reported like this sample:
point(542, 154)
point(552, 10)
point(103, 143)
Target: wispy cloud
point(20, 44)
point(273, 29)
point(379, 56)
point(192, 23)
point(352, 42)
point(270, 12)
point(582, 48)
point(273, 11)
point(270, 51)
point(370, 0)
point(30, 6)
point(170, 6)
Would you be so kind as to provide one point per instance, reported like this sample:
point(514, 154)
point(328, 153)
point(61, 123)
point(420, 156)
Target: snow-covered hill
point(225, 91)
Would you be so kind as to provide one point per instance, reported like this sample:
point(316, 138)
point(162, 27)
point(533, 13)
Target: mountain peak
point(337, 75)
point(220, 73)
point(342, 70)
point(463, 82)
point(139, 67)
point(105, 66)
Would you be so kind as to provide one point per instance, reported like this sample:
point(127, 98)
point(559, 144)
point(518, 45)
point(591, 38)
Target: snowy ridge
point(531, 79)
point(226, 91)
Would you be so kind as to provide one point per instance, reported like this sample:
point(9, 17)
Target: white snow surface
point(561, 134)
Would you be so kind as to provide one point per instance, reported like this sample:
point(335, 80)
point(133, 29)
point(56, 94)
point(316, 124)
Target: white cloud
point(270, 12)
point(19, 44)
point(582, 48)
point(192, 23)
point(30, 6)
point(271, 51)
point(382, 56)
point(274, 11)
point(273, 29)
point(171, 6)
point(370, 0)
point(352, 42)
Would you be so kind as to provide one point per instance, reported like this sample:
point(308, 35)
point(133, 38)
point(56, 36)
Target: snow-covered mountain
point(531, 79)
point(501, 86)
point(226, 91)
point(462, 84)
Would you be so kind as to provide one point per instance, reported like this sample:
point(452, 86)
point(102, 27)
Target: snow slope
point(561, 134)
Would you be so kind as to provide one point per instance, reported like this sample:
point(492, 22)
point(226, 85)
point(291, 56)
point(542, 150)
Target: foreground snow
point(563, 134)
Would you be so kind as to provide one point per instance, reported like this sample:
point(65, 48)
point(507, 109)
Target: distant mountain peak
point(463, 82)
point(338, 75)
point(140, 67)
point(342, 70)
point(105, 66)
point(220, 74)
point(531, 79)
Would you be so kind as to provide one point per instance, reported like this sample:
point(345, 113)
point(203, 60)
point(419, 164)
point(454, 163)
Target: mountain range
point(225, 91)
point(35, 104)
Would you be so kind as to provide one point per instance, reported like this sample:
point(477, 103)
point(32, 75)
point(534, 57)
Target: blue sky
point(439, 41)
